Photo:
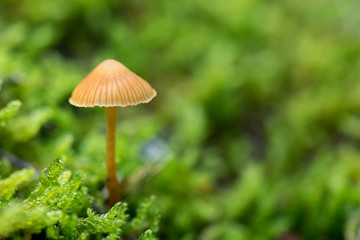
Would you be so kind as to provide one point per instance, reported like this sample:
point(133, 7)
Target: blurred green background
point(255, 131)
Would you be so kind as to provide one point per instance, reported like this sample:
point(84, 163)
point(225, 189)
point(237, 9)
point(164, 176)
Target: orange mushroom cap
point(111, 84)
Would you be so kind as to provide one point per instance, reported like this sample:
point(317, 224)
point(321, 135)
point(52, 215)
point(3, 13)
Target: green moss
point(57, 205)
point(254, 133)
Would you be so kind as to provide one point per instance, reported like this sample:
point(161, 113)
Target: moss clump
point(60, 207)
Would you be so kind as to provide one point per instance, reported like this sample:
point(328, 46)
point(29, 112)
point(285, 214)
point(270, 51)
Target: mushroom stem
point(112, 182)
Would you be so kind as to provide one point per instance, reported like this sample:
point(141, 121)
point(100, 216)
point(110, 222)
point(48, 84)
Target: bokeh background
point(254, 134)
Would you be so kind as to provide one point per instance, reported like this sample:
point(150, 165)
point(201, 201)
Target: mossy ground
point(254, 133)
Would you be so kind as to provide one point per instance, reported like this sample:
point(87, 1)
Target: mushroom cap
point(111, 84)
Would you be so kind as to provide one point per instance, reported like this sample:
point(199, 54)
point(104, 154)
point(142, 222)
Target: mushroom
point(110, 85)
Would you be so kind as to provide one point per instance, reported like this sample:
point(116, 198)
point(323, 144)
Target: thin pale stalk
point(112, 182)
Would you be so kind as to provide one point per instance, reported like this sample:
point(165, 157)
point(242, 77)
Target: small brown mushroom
point(110, 85)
